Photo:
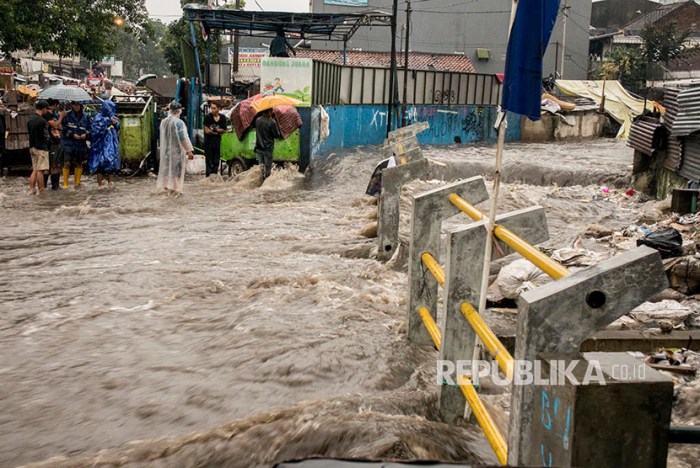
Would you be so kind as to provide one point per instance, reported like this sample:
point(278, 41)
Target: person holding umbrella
point(266, 131)
point(76, 130)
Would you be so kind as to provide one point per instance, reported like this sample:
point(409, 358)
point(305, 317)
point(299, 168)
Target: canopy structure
point(321, 26)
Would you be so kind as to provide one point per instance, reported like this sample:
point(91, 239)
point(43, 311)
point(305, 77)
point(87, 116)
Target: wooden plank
point(613, 341)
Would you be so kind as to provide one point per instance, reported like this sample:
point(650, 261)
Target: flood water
point(238, 325)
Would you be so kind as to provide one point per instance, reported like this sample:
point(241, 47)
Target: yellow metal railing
point(434, 268)
point(482, 330)
point(431, 326)
point(486, 422)
point(515, 242)
point(490, 340)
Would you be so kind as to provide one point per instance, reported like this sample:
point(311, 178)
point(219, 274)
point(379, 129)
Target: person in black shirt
point(266, 132)
point(280, 46)
point(38, 129)
point(215, 124)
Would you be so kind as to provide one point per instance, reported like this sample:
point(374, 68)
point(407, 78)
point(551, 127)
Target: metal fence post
point(555, 319)
point(428, 212)
point(390, 201)
point(463, 272)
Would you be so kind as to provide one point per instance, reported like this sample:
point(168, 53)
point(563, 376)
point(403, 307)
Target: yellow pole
point(493, 344)
point(434, 268)
point(517, 243)
point(498, 443)
point(431, 326)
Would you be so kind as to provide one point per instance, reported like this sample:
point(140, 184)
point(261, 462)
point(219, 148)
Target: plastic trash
point(668, 242)
point(518, 277)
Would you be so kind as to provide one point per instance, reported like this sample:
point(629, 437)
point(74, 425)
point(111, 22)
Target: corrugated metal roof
point(646, 135)
point(671, 105)
point(674, 150)
point(653, 16)
point(627, 40)
point(690, 167)
point(687, 120)
point(416, 60)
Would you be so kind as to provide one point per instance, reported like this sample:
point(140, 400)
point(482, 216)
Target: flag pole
point(502, 126)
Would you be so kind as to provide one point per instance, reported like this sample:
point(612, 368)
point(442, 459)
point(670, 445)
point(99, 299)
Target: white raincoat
point(174, 145)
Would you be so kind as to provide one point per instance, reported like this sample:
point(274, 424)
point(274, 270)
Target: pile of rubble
point(678, 240)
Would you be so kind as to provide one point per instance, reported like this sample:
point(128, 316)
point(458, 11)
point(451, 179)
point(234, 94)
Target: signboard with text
point(287, 76)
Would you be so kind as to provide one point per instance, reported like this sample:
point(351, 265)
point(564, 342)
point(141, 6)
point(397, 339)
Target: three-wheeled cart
point(239, 155)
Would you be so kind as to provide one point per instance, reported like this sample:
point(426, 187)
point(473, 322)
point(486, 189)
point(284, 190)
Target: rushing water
point(239, 324)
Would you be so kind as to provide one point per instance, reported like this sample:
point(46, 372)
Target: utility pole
point(405, 64)
point(565, 12)
point(392, 74)
point(236, 42)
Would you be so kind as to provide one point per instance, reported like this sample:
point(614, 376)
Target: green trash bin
point(136, 134)
point(239, 155)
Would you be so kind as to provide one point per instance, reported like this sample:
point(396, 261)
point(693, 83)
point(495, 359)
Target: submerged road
point(249, 315)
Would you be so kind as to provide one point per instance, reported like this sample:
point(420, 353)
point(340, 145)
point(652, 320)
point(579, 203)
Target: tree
point(626, 65)
point(663, 43)
point(138, 49)
point(180, 30)
point(22, 26)
point(67, 27)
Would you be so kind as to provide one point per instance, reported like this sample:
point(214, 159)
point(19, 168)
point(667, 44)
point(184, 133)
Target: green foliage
point(628, 66)
point(22, 26)
point(67, 27)
point(138, 48)
point(180, 30)
point(663, 43)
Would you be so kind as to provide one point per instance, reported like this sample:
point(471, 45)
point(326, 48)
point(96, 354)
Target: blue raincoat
point(104, 141)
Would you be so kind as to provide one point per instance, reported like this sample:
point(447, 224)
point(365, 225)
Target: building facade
point(475, 29)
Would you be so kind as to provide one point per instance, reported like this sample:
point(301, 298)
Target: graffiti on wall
point(455, 124)
point(444, 96)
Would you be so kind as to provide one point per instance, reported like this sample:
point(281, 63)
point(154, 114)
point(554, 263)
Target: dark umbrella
point(243, 115)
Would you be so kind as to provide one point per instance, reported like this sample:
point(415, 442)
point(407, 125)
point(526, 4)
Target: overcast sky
point(169, 10)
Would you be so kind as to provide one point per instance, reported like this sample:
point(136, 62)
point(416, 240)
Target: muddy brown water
point(239, 324)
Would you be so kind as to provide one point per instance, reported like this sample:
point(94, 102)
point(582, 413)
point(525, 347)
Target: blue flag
point(529, 36)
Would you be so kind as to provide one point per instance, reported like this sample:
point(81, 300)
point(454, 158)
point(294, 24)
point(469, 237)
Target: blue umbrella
point(65, 93)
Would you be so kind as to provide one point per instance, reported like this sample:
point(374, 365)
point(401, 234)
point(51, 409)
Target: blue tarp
point(522, 84)
point(104, 140)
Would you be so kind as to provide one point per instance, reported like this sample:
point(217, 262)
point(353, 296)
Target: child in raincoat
point(104, 144)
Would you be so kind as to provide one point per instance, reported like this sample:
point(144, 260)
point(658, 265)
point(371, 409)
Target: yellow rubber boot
point(77, 174)
point(66, 175)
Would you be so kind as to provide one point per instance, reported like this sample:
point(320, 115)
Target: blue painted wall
point(366, 125)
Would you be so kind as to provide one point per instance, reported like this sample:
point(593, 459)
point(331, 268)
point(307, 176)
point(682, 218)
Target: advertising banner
point(288, 77)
